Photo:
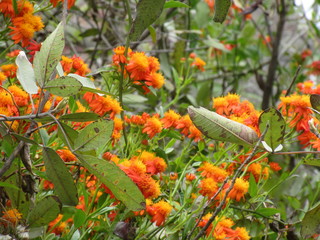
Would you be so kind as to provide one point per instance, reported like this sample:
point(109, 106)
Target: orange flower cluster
point(308, 87)
point(66, 155)
point(58, 226)
point(24, 23)
point(243, 112)
point(141, 168)
point(74, 65)
point(223, 229)
point(9, 70)
point(151, 125)
point(314, 68)
point(11, 216)
point(102, 104)
point(159, 211)
point(142, 69)
point(197, 62)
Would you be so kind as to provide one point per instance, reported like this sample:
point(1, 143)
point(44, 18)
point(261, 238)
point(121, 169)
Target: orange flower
point(315, 67)
point(2, 77)
point(117, 128)
point(59, 225)
point(210, 171)
point(225, 105)
point(66, 155)
point(154, 79)
point(13, 53)
point(138, 66)
point(152, 126)
point(6, 8)
point(275, 166)
point(11, 216)
point(184, 123)
point(239, 189)
point(198, 63)
point(9, 70)
point(190, 177)
point(173, 176)
point(170, 119)
point(159, 212)
point(210, 5)
point(118, 56)
point(24, 28)
point(195, 133)
point(137, 119)
point(155, 165)
point(74, 65)
point(20, 96)
point(55, 3)
point(208, 187)
point(111, 157)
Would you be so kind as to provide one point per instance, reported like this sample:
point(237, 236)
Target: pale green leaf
point(267, 211)
point(312, 162)
point(80, 117)
point(220, 128)
point(123, 188)
point(86, 82)
point(64, 86)
point(310, 224)
point(175, 4)
point(275, 133)
point(60, 176)
point(215, 43)
point(47, 59)
point(148, 11)
point(95, 134)
point(25, 74)
point(44, 211)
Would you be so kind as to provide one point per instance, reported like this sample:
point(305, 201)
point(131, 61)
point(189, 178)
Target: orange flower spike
point(159, 212)
point(211, 171)
point(239, 189)
point(208, 187)
point(152, 126)
point(10, 216)
point(198, 63)
point(138, 66)
point(170, 119)
point(184, 123)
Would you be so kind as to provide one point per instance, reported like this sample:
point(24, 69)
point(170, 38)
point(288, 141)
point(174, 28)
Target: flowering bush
point(105, 142)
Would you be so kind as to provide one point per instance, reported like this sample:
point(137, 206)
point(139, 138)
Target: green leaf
point(153, 34)
point(148, 11)
point(312, 162)
point(315, 101)
point(64, 86)
point(60, 176)
point(22, 138)
point(25, 74)
point(116, 180)
point(220, 128)
point(80, 117)
point(70, 133)
point(267, 211)
point(253, 188)
point(95, 134)
point(90, 32)
point(86, 82)
point(311, 223)
point(221, 9)
point(9, 185)
point(215, 43)
point(275, 134)
point(44, 212)
point(79, 218)
point(174, 4)
point(133, 98)
point(46, 60)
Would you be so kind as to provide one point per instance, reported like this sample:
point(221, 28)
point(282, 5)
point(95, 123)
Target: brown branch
point(267, 94)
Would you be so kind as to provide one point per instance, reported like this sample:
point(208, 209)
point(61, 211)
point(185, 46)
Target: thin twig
point(293, 80)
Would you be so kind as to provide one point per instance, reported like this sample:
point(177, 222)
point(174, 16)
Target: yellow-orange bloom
point(138, 66)
point(208, 187)
point(9, 70)
point(195, 133)
point(239, 189)
point(11, 216)
point(66, 155)
point(152, 126)
point(184, 123)
point(2, 77)
point(154, 79)
point(170, 119)
point(211, 171)
point(20, 96)
point(159, 212)
point(198, 63)
point(118, 56)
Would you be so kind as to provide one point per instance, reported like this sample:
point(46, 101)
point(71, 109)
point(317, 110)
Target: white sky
point(306, 5)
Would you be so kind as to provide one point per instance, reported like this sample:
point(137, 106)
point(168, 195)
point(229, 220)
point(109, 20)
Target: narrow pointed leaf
point(25, 74)
point(64, 86)
point(95, 134)
point(116, 180)
point(47, 59)
point(80, 117)
point(310, 224)
point(70, 133)
point(148, 11)
point(275, 133)
point(44, 212)
point(220, 128)
point(60, 176)
point(312, 162)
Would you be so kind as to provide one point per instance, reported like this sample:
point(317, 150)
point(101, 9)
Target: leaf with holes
point(220, 128)
point(95, 134)
point(47, 59)
point(60, 176)
point(310, 224)
point(44, 211)
point(123, 188)
point(275, 133)
point(148, 11)
point(64, 86)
